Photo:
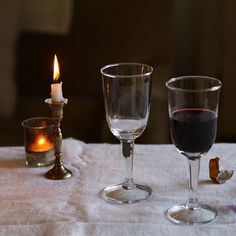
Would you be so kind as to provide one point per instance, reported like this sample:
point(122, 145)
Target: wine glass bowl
point(127, 91)
point(193, 111)
point(190, 126)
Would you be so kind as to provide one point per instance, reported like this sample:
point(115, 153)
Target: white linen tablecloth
point(30, 204)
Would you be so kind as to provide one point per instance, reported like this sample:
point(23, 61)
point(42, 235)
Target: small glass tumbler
point(39, 141)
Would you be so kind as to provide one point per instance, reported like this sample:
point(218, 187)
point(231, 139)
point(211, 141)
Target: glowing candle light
point(56, 87)
point(41, 144)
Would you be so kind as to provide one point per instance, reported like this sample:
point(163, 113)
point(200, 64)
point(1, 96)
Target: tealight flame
point(41, 141)
point(56, 70)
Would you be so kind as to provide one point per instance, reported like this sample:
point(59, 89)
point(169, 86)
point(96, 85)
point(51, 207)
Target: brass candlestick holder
point(58, 171)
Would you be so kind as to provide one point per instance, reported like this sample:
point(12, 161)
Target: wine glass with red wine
point(193, 110)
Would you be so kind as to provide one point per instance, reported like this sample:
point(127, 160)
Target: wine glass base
point(120, 195)
point(181, 215)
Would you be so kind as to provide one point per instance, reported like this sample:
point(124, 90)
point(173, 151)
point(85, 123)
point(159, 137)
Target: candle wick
point(56, 81)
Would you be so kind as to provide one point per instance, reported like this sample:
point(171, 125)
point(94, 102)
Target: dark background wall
point(175, 37)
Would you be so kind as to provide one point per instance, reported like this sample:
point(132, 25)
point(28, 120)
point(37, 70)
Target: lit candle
point(41, 144)
point(56, 88)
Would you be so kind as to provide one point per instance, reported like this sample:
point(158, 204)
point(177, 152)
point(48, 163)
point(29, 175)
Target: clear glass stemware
point(126, 90)
point(193, 111)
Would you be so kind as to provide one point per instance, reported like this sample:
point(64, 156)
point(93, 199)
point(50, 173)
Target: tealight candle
point(41, 144)
point(56, 87)
point(39, 141)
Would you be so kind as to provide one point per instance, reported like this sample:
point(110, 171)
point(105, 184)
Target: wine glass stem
point(194, 168)
point(127, 152)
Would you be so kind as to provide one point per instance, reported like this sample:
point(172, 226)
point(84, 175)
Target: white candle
point(56, 88)
point(56, 92)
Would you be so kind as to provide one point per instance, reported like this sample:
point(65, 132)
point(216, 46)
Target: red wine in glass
point(193, 130)
point(193, 110)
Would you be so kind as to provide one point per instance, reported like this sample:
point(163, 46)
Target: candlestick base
point(58, 172)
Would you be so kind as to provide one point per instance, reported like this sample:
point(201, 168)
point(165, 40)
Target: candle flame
point(41, 141)
point(56, 70)
point(41, 144)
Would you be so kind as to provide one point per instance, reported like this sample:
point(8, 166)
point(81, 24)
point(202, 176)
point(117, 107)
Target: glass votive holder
point(39, 141)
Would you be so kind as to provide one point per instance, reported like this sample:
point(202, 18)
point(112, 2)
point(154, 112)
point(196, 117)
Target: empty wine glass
point(193, 110)
point(126, 90)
